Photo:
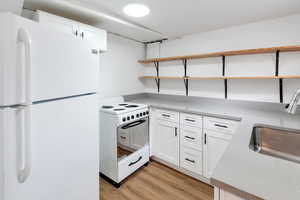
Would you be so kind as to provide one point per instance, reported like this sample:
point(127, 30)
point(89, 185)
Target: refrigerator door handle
point(24, 144)
point(24, 37)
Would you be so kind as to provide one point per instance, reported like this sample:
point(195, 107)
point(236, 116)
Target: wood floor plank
point(157, 182)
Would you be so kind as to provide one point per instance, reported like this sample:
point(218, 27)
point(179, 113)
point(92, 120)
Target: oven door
point(133, 147)
point(133, 136)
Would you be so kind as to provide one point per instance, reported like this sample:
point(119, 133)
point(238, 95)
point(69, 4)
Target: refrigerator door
point(56, 156)
point(40, 63)
point(2, 122)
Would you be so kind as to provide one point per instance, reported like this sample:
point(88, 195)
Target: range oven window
point(132, 137)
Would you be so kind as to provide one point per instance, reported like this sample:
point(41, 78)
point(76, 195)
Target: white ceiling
point(181, 17)
point(175, 18)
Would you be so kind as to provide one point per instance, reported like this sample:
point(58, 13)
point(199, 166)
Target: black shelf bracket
point(280, 80)
point(157, 79)
point(223, 73)
point(185, 77)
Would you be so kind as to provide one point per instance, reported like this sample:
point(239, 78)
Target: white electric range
point(124, 139)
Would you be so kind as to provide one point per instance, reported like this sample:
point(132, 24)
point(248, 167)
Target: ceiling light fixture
point(136, 10)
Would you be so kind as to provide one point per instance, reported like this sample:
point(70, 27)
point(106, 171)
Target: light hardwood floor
point(157, 182)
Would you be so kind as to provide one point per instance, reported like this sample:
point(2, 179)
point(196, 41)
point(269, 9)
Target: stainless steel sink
point(277, 142)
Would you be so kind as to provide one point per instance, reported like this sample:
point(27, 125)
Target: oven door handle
point(133, 124)
point(133, 163)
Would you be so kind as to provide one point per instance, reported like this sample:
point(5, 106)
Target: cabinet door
point(224, 195)
point(96, 36)
point(59, 23)
point(167, 141)
point(215, 145)
point(60, 148)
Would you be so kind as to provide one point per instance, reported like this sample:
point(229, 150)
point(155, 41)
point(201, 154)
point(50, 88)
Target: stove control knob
point(128, 118)
point(147, 112)
point(132, 116)
point(137, 115)
point(141, 114)
point(144, 113)
point(124, 119)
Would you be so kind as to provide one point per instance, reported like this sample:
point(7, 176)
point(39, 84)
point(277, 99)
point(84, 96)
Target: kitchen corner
point(241, 170)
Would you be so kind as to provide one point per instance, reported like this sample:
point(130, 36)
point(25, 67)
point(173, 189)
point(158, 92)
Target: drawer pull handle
point(132, 163)
point(190, 120)
point(205, 138)
point(188, 137)
point(222, 126)
point(192, 161)
point(176, 132)
point(122, 137)
point(165, 115)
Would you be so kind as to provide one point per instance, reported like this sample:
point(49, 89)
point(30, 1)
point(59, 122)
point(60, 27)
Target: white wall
point(14, 6)
point(276, 32)
point(119, 69)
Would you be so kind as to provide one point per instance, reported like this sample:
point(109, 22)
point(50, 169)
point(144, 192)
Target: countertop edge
point(234, 190)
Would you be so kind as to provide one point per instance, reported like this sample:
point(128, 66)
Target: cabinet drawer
point(191, 137)
point(220, 125)
point(190, 119)
point(168, 115)
point(191, 159)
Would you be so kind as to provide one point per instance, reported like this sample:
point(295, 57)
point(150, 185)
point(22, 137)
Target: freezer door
point(57, 157)
point(40, 63)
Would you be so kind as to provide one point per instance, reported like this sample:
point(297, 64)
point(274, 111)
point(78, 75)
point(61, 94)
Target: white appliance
point(48, 116)
point(124, 139)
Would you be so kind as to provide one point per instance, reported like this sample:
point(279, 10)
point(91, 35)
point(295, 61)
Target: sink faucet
point(292, 106)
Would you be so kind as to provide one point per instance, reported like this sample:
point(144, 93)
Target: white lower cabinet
point(215, 145)
point(188, 141)
point(191, 137)
point(220, 194)
point(191, 143)
point(191, 159)
point(166, 141)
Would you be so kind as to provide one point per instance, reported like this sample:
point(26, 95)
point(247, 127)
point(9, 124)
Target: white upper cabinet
point(94, 35)
point(97, 37)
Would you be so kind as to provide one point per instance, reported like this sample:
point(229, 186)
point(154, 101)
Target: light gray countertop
point(263, 176)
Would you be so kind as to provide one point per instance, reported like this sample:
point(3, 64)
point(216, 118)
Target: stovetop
point(121, 108)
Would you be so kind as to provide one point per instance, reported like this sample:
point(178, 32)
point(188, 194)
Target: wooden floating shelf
point(220, 78)
point(225, 53)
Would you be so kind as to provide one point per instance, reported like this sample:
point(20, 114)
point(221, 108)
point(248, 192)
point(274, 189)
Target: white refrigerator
point(48, 113)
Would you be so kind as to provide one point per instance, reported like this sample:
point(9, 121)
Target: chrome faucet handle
point(292, 106)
